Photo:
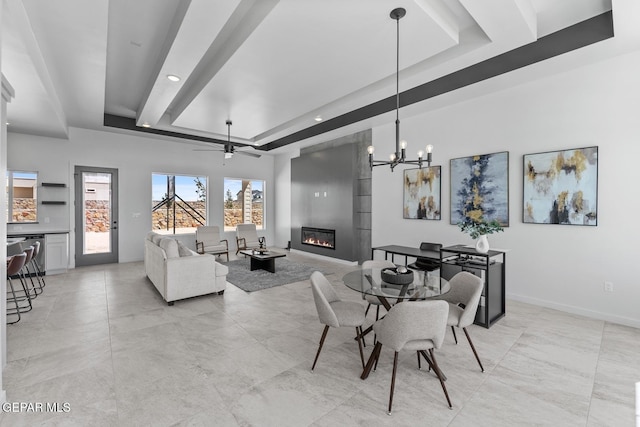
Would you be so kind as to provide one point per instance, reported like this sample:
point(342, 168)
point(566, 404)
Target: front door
point(96, 209)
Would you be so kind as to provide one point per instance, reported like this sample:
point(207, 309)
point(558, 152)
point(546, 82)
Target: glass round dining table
point(369, 282)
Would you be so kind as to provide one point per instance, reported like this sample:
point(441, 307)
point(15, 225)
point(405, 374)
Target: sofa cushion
point(183, 250)
point(170, 247)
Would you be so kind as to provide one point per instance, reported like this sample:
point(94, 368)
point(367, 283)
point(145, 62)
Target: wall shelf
point(53, 193)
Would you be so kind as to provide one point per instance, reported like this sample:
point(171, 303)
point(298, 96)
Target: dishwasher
point(29, 240)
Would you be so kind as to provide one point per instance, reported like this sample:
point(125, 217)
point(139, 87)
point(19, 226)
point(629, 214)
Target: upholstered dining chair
point(333, 312)
point(463, 299)
point(208, 241)
point(413, 326)
point(247, 237)
point(371, 299)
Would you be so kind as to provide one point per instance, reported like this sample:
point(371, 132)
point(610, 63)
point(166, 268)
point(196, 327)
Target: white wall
point(136, 158)
point(558, 266)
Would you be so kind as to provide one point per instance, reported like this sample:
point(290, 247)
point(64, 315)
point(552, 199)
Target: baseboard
point(325, 258)
point(608, 317)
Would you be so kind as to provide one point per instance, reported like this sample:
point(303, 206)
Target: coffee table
point(264, 261)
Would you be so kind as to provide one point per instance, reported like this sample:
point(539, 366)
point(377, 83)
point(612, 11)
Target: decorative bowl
point(391, 275)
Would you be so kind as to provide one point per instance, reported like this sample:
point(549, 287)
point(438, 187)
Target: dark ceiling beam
point(582, 34)
point(127, 123)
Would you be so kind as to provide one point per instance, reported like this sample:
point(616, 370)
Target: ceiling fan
point(229, 149)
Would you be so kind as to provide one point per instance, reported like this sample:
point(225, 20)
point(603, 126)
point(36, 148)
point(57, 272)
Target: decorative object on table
point(480, 188)
point(561, 187)
point(398, 156)
point(397, 276)
point(422, 193)
point(478, 230)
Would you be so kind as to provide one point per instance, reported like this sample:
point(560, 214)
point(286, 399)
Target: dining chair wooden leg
point(393, 381)
point(418, 354)
point(359, 332)
point(436, 369)
point(367, 310)
point(453, 329)
point(475, 353)
point(324, 335)
point(364, 343)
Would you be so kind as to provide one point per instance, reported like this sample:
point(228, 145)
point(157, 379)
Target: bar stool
point(14, 266)
point(26, 272)
point(36, 267)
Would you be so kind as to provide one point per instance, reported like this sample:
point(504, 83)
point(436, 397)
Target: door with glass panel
point(96, 211)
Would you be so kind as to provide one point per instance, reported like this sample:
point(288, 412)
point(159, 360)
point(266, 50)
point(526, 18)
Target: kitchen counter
point(35, 231)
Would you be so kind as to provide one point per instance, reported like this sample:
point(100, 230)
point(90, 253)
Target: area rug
point(250, 281)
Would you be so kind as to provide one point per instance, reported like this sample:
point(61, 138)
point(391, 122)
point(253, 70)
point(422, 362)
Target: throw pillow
point(183, 250)
point(170, 247)
point(156, 238)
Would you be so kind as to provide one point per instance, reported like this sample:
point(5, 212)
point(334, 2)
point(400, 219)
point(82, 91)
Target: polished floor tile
point(101, 341)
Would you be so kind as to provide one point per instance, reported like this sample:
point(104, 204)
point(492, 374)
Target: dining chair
point(208, 241)
point(371, 299)
point(247, 237)
point(463, 299)
point(427, 264)
point(413, 326)
point(333, 312)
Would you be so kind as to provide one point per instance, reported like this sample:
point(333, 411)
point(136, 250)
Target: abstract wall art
point(561, 187)
point(480, 188)
point(422, 193)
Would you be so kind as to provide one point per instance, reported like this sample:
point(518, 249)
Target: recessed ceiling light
point(318, 119)
point(173, 77)
point(146, 125)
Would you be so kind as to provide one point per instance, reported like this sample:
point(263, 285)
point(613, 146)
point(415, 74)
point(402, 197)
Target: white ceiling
point(270, 66)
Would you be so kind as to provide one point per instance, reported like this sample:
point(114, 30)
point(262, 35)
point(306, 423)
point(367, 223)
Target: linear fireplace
point(322, 237)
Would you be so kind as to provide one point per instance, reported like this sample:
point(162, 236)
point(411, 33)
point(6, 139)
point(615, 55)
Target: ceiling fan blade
point(207, 149)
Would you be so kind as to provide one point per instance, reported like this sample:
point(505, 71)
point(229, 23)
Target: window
point(179, 203)
point(243, 203)
point(22, 196)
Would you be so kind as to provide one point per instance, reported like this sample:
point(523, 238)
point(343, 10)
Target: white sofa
point(178, 272)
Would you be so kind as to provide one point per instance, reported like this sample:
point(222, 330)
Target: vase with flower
point(478, 230)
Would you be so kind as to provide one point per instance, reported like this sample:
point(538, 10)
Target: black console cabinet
point(489, 267)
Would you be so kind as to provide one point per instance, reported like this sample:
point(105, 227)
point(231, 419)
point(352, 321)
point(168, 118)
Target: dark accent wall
point(331, 188)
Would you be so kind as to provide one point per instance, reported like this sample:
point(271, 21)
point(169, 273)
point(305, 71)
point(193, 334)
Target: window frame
point(225, 187)
point(158, 204)
point(10, 194)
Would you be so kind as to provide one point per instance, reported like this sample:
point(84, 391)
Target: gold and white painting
point(561, 187)
point(422, 193)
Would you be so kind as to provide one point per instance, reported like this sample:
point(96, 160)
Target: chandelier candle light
point(399, 156)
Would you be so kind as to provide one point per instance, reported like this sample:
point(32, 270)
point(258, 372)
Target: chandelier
point(399, 156)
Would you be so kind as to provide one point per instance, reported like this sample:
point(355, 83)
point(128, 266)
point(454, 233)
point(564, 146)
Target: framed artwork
point(561, 187)
point(421, 198)
point(480, 188)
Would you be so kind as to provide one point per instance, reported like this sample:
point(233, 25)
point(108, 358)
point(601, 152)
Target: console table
point(406, 252)
point(490, 267)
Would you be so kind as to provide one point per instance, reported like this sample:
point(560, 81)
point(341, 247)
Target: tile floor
point(102, 340)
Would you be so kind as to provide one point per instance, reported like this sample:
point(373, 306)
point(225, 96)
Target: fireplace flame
point(317, 242)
